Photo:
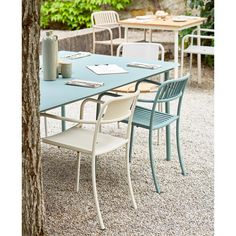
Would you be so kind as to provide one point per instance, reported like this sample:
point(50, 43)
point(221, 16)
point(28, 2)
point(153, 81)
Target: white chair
point(196, 48)
point(95, 143)
point(146, 51)
point(106, 20)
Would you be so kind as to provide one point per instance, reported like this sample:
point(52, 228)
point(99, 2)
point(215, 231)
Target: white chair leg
point(95, 191)
point(199, 79)
point(94, 44)
point(94, 48)
point(111, 49)
point(182, 63)
point(191, 63)
point(128, 176)
point(78, 171)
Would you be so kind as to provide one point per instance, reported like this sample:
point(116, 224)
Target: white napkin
point(84, 83)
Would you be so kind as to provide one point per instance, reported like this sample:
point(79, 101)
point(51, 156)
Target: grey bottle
point(50, 56)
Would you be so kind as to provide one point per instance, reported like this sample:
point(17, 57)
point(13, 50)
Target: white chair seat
point(81, 140)
point(205, 50)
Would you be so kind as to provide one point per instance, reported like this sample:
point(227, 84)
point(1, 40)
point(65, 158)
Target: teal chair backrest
point(171, 89)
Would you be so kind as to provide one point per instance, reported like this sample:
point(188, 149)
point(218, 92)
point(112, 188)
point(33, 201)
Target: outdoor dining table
point(56, 93)
point(170, 23)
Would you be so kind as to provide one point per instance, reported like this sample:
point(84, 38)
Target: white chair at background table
point(148, 51)
point(196, 48)
point(94, 142)
point(106, 20)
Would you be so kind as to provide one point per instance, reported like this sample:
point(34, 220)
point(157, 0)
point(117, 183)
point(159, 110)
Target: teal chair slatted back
point(171, 90)
point(168, 91)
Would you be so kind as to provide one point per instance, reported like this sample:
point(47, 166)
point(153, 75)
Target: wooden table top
point(167, 23)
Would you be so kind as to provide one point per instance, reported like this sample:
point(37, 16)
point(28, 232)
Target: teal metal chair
point(152, 119)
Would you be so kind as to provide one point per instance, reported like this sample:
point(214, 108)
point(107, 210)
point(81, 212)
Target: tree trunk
point(33, 213)
point(157, 4)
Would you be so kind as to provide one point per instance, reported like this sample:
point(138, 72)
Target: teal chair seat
point(142, 117)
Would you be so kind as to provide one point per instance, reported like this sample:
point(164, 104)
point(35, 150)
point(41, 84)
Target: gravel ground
point(186, 204)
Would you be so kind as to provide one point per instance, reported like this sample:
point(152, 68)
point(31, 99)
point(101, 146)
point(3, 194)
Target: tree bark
point(33, 212)
point(157, 4)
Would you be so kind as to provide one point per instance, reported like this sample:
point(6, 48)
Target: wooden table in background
point(166, 24)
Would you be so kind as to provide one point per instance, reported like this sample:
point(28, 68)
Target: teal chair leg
point(152, 162)
point(168, 136)
point(181, 162)
point(131, 142)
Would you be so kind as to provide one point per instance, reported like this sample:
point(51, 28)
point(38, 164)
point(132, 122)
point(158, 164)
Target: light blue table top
point(55, 93)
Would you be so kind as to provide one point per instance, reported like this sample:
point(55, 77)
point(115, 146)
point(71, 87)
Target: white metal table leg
point(176, 48)
point(198, 58)
point(150, 36)
point(126, 34)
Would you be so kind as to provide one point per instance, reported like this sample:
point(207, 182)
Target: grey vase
point(50, 56)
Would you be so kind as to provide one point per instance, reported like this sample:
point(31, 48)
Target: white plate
point(179, 19)
point(144, 17)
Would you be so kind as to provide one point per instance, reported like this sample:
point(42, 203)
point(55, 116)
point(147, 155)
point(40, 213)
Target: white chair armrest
point(192, 36)
point(68, 119)
point(104, 28)
point(92, 100)
point(86, 101)
point(203, 30)
point(197, 36)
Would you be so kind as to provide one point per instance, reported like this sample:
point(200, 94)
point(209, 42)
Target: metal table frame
point(55, 94)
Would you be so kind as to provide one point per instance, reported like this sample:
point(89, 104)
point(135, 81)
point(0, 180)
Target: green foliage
point(75, 14)
point(206, 10)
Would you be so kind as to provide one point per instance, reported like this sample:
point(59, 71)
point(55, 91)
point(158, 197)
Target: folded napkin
point(143, 65)
point(84, 83)
point(78, 55)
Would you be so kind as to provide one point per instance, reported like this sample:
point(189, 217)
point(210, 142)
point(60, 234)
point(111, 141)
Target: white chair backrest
point(148, 51)
point(104, 18)
point(118, 108)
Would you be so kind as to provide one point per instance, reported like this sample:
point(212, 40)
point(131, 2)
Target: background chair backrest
point(104, 18)
point(118, 108)
point(148, 51)
point(171, 89)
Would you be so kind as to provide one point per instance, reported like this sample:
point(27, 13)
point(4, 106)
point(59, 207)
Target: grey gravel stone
point(186, 204)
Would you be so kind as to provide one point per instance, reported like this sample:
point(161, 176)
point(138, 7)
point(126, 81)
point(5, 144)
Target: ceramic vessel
point(50, 56)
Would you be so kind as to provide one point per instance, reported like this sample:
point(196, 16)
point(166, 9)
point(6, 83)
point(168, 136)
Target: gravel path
point(186, 204)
